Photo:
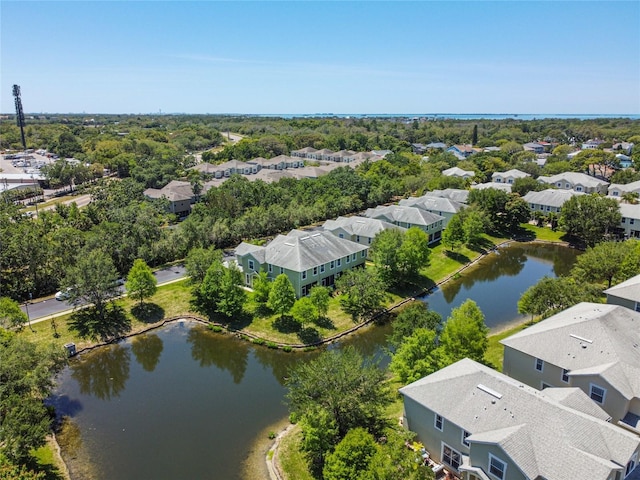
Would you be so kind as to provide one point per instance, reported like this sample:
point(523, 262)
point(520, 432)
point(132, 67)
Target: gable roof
point(629, 210)
point(550, 196)
point(299, 251)
point(356, 225)
point(544, 437)
point(456, 194)
point(404, 214)
point(175, 191)
point(458, 172)
point(506, 187)
point(433, 203)
point(588, 339)
point(575, 178)
point(515, 173)
point(628, 187)
point(629, 289)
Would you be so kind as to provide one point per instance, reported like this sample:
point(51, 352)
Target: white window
point(363, 253)
point(438, 422)
point(358, 238)
point(348, 258)
point(353, 257)
point(369, 240)
point(451, 457)
point(281, 270)
point(270, 268)
point(341, 235)
point(539, 364)
point(304, 275)
point(633, 463)
point(624, 220)
point(315, 271)
point(565, 375)
point(597, 393)
point(332, 265)
point(251, 265)
point(339, 262)
point(578, 189)
point(322, 268)
point(631, 220)
point(465, 434)
point(497, 467)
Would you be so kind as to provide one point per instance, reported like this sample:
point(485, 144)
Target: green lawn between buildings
point(173, 300)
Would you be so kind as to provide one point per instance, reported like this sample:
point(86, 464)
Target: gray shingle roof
point(545, 438)
point(299, 251)
point(363, 226)
point(629, 289)
point(456, 194)
point(404, 214)
point(515, 173)
point(433, 203)
point(588, 338)
point(574, 178)
point(506, 187)
point(628, 187)
point(550, 196)
point(457, 172)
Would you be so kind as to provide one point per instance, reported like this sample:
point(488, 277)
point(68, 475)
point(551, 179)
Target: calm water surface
point(186, 403)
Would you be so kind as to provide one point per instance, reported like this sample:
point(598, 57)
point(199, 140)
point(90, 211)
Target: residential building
point(509, 176)
point(618, 190)
point(408, 217)
point(303, 152)
point(458, 172)
point(592, 144)
point(455, 194)
point(580, 182)
point(461, 151)
point(549, 200)
point(630, 222)
point(307, 258)
point(625, 160)
point(484, 425)
point(505, 187)
point(626, 294)
point(358, 229)
point(534, 147)
point(592, 346)
point(178, 193)
point(445, 207)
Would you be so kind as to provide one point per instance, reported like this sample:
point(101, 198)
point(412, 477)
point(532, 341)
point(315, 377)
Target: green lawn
point(544, 233)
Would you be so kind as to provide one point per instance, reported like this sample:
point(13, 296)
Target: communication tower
point(19, 114)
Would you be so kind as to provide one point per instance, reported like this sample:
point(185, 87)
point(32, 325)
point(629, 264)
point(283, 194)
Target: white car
point(63, 294)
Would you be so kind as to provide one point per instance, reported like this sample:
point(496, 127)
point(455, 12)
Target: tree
point(474, 136)
point(262, 287)
point(398, 254)
point(11, 316)
point(524, 185)
point(92, 280)
point(232, 296)
point(206, 295)
point(320, 435)
point(414, 252)
point(393, 461)
point(417, 356)
point(453, 236)
point(588, 218)
point(362, 292)
point(602, 262)
point(282, 295)
point(473, 226)
point(351, 458)
point(320, 297)
point(141, 283)
point(464, 334)
point(415, 315)
point(198, 262)
point(551, 295)
point(344, 384)
point(516, 212)
point(304, 311)
point(26, 379)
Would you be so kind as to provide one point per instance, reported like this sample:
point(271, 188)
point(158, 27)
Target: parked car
point(63, 294)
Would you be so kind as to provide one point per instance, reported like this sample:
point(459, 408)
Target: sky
point(305, 57)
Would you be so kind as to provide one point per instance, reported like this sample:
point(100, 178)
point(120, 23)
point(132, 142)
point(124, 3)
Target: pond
point(184, 402)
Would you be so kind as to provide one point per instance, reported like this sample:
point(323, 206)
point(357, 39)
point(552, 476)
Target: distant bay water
point(459, 116)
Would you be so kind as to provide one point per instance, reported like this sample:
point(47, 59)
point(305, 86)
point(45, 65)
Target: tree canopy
point(141, 283)
point(589, 218)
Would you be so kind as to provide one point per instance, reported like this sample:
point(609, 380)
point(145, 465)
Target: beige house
point(483, 425)
point(592, 346)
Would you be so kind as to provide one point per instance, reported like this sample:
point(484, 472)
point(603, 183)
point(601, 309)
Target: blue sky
point(330, 56)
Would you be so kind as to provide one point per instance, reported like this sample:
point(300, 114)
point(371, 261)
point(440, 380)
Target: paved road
point(50, 306)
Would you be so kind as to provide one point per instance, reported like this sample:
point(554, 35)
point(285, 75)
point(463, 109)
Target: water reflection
point(231, 355)
point(280, 363)
point(147, 349)
point(104, 373)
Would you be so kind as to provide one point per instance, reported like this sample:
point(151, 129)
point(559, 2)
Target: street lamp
point(26, 307)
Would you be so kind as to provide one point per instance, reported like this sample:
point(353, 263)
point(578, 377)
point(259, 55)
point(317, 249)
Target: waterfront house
point(408, 217)
point(484, 425)
point(358, 229)
point(592, 346)
point(580, 182)
point(307, 258)
point(626, 294)
point(445, 207)
point(549, 200)
point(509, 176)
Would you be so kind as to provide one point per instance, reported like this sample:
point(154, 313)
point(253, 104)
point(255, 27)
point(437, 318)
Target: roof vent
point(582, 339)
point(490, 391)
point(315, 235)
point(290, 244)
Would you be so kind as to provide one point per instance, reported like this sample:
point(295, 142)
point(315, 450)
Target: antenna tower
point(19, 114)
